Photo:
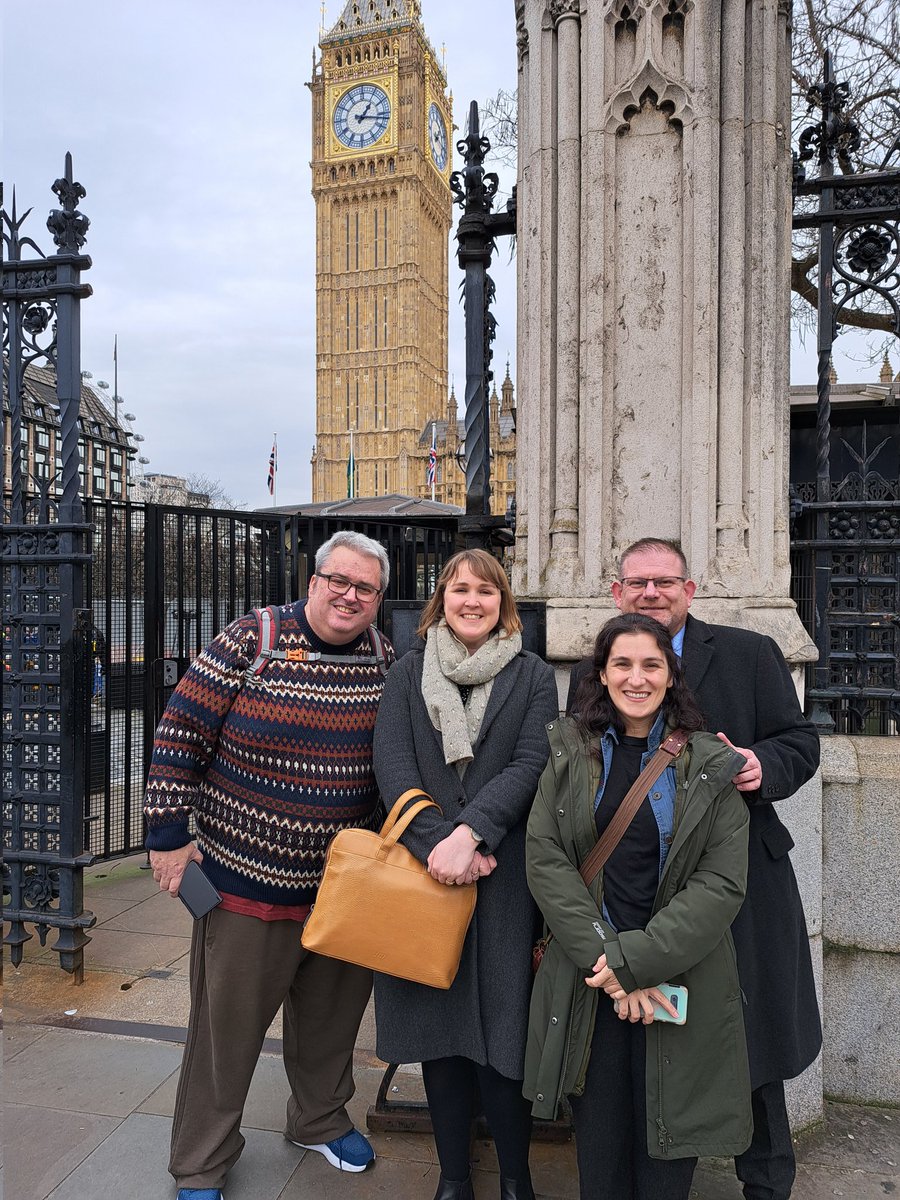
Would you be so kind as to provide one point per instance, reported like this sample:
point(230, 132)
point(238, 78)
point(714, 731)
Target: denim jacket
point(662, 798)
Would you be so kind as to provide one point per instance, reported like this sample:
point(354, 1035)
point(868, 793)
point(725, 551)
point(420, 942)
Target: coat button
point(550, 726)
point(560, 812)
point(540, 1095)
point(657, 795)
point(559, 755)
point(668, 839)
point(554, 1020)
point(703, 776)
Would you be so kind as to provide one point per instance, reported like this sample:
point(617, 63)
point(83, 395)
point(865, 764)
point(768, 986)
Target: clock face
point(437, 137)
point(361, 116)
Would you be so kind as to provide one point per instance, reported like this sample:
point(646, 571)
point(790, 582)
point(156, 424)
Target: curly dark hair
point(593, 709)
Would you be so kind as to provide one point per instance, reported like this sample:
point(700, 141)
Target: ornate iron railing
point(43, 551)
point(475, 190)
point(846, 548)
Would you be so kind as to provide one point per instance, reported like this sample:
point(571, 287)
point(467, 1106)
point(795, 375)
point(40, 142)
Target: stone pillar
point(654, 252)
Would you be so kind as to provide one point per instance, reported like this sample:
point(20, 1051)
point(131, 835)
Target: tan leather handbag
point(378, 907)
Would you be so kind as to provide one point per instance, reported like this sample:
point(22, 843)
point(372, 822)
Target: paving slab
point(819, 1183)
point(65, 1140)
point(266, 1102)
point(159, 913)
point(855, 1138)
point(125, 879)
point(119, 950)
point(90, 1072)
point(16, 1037)
point(132, 1162)
point(107, 908)
point(393, 1178)
point(43, 993)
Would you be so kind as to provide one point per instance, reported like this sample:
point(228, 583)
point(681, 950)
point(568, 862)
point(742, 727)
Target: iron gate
point(163, 582)
point(846, 538)
point(42, 558)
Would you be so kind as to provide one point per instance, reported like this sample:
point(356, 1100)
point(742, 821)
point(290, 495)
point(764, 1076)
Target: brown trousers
point(242, 970)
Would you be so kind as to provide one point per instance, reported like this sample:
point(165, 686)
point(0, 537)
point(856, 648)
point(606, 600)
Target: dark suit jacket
point(745, 691)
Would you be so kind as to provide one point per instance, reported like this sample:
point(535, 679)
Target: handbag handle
point(395, 825)
point(622, 818)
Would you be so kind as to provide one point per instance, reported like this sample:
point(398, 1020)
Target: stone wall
point(861, 918)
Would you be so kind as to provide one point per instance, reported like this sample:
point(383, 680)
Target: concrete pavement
point(90, 1075)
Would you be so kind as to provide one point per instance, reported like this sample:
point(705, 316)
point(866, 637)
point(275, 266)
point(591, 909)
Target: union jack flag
point(432, 462)
point(273, 467)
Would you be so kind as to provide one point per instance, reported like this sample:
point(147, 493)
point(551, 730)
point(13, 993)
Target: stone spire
point(886, 374)
point(507, 393)
point(452, 419)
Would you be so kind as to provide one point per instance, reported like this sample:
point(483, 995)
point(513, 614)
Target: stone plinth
point(861, 919)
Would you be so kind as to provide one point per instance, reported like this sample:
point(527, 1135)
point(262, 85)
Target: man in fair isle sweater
point(271, 766)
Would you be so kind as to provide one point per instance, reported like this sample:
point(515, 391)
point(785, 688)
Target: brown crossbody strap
point(634, 798)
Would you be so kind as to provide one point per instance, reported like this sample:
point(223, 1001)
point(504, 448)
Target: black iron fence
point(847, 537)
point(163, 582)
point(861, 557)
point(43, 549)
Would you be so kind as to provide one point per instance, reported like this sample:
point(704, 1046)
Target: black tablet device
point(196, 892)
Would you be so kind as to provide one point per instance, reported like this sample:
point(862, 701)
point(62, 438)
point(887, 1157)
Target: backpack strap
point(268, 629)
point(268, 625)
point(378, 650)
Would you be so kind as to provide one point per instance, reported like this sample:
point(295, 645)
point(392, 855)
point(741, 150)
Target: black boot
point(516, 1189)
point(450, 1189)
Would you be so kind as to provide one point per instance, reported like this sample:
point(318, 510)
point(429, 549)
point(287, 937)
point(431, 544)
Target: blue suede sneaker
point(352, 1152)
point(200, 1194)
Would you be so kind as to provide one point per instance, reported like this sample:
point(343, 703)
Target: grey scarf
point(447, 667)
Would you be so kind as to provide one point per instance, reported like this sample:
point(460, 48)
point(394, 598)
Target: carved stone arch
point(625, 14)
point(650, 85)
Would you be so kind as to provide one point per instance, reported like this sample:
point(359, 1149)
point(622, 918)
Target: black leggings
point(611, 1120)
point(450, 1088)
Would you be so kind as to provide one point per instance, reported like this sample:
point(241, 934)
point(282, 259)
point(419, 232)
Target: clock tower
point(382, 124)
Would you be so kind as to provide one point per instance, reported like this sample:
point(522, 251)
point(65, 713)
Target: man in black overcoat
point(748, 698)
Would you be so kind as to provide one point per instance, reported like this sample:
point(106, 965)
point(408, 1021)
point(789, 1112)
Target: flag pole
point(434, 449)
point(275, 476)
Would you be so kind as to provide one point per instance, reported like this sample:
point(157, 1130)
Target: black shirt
point(631, 874)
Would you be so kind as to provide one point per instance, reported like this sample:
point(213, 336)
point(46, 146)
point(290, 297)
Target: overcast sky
point(189, 125)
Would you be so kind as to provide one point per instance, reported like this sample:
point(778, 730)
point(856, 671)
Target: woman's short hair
point(349, 539)
point(486, 567)
point(592, 707)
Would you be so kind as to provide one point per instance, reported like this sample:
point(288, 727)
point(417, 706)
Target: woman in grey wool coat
point(464, 719)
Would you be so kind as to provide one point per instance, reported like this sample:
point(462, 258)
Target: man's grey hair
point(348, 539)
point(651, 543)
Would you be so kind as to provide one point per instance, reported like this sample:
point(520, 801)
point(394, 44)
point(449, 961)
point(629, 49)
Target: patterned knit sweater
point(272, 767)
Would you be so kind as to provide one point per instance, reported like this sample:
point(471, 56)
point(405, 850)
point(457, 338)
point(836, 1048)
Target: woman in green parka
point(648, 1097)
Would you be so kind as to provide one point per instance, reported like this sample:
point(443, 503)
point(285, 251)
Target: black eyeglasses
point(340, 585)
